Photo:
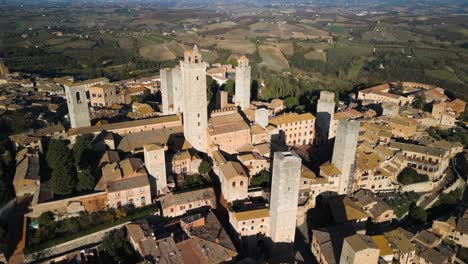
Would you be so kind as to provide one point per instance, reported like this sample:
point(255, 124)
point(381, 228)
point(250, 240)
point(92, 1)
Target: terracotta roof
point(27, 169)
point(290, 118)
point(252, 214)
point(127, 183)
point(329, 169)
point(226, 124)
point(349, 114)
point(233, 169)
point(383, 244)
point(48, 130)
point(399, 240)
point(360, 242)
point(121, 125)
point(23, 139)
point(256, 129)
point(187, 197)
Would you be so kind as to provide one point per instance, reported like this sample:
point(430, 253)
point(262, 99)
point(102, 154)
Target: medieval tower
point(77, 105)
point(177, 90)
point(167, 94)
point(284, 196)
point(242, 96)
point(325, 112)
point(155, 162)
point(195, 105)
point(344, 152)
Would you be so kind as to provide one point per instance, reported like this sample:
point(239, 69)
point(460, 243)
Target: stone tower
point(284, 196)
point(325, 112)
point(344, 152)
point(261, 117)
point(195, 106)
point(242, 96)
point(177, 91)
point(77, 105)
point(155, 162)
point(167, 94)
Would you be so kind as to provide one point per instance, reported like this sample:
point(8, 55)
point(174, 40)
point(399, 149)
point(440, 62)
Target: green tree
point(417, 213)
point(86, 180)
point(262, 179)
point(291, 102)
point(21, 121)
point(204, 168)
point(83, 150)
point(63, 180)
point(410, 176)
point(58, 154)
point(229, 87)
point(419, 101)
point(116, 245)
point(46, 219)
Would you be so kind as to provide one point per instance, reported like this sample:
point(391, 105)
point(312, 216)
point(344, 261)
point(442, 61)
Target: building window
point(241, 183)
point(143, 201)
point(233, 184)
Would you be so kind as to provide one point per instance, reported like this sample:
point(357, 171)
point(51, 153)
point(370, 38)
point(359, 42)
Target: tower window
point(78, 97)
point(197, 78)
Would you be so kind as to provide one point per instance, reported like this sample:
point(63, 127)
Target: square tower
point(77, 103)
point(167, 94)
point(325, 112)
point(284, 196)
point(177, 90)
point(155, 162)
point(344, 152)
point(195, 106)
point(242, 96)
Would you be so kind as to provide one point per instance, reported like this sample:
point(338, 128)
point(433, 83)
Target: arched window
point(78, 97)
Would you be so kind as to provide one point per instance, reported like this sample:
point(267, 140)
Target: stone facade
point(243, 83)
point(195, 101)
point(177, 90)
point(284, 196)
point(104, 95)
point(234, 181)
point(155, 161)
point(325, 112)
point(358, 249)
point(344, 152)
point(167, 92)
point(261, 117)
point(293, 129)
point(77, 106)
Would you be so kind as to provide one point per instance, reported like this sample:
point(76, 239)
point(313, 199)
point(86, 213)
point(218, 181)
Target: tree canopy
point(116, 245)
point(86, 180)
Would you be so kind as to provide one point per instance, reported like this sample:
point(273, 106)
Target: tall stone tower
point(344, 152)
point(242, 96)
point(261, 117)
point(195, 100)
point(177, 90)
point(325, 112)
point(77, 105)
point(284, 196)
point(155, 162)
point(167, 94)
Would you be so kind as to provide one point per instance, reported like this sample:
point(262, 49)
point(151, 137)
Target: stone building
point(250, 222)
point(234, 181)
point(77, 105)
point(167, 92)
point(325, 113)
point(104, 95)
point(242, 97)
point(177, 90)
point(261, 117)
point(229, 132)
point(358, 249)
point(176, 204)
point(155, 162)
point(185, 162)
point(293, 129)
point(284, 196)
point(195, 108)
point(344, 152)
point(27, 178)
